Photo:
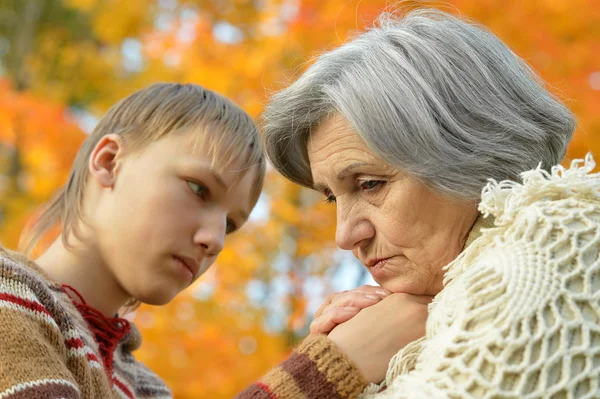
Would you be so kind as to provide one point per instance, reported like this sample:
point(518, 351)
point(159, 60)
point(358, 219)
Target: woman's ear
point(105, 160)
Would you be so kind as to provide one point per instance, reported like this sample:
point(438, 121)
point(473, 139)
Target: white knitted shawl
point(519, 315)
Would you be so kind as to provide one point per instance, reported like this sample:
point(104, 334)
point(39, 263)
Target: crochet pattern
point(519, 316)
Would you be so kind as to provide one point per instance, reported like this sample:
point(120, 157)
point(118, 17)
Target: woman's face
point(400, 230)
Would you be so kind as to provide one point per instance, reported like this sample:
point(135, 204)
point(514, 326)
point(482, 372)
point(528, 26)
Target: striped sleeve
point(317, 369)
point(31, 362)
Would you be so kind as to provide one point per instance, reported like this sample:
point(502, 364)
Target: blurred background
point(63, 63)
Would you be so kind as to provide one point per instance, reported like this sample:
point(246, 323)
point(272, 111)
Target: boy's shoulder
point(26, 290)
point(16, 268)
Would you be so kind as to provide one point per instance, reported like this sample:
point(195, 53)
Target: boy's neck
point(85, 271)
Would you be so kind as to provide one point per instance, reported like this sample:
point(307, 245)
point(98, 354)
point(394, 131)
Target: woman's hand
point(375, 334)
point(342, 306)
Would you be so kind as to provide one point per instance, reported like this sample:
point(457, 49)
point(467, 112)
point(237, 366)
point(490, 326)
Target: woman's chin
point(401, 285)
point(400, 276)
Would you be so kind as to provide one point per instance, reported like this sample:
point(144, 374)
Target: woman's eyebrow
point(350, 168)
point(320, 187)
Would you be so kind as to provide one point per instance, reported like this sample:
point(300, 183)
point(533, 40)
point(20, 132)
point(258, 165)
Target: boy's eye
point(231, 227)
point(201, 191)
point(198, 189)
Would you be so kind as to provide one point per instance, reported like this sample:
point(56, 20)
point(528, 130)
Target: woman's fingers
point(353, 299)
point(373, 289)
point(328, 320)
point(327, 302)
point(342, 306)
point(366, 295)
point(375, 334)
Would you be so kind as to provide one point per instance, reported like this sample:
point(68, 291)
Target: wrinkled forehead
point(336, 151)
point(333, 125)
point(335, 142)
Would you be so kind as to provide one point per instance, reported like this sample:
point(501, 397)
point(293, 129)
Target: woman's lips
point(376, 266)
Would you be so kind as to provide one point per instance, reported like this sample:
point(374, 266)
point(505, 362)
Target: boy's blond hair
point(225, 131)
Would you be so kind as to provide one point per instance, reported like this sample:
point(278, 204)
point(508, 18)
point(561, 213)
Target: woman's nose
point(352, 230)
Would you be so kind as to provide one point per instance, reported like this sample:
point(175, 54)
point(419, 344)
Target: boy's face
point(163, 222)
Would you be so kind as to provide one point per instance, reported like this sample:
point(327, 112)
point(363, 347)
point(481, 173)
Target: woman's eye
point(371, 185)
point(329, 197)
point(198, 189)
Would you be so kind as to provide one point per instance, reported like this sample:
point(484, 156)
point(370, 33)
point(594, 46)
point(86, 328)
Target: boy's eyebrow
point(244, 215)
point(215, 175)
point(223, 185)
point(218, 179)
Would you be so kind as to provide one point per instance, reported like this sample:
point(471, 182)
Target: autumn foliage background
point(63, 63)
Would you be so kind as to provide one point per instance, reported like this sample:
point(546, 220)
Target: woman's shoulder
point(553, 215)
point(565, 197)
point(544, 245)
point(526, 283)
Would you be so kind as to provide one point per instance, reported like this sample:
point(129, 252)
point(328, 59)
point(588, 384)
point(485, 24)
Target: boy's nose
point(211, 238)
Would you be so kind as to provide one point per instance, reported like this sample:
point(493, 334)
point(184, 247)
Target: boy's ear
point(105, 159)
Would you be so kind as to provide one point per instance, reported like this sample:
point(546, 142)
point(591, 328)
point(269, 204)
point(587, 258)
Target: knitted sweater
point(315, 370)
point(48, 351)
point(519, 315)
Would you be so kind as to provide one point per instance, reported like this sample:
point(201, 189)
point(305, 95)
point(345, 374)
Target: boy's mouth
point(190, 263)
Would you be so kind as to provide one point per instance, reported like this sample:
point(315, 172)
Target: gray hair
point(438, 97)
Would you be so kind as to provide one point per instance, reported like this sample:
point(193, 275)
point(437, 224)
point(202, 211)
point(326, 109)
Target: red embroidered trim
point(108, 331)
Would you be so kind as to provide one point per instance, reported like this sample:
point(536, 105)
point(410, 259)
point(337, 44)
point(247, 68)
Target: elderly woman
point(437, 145)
